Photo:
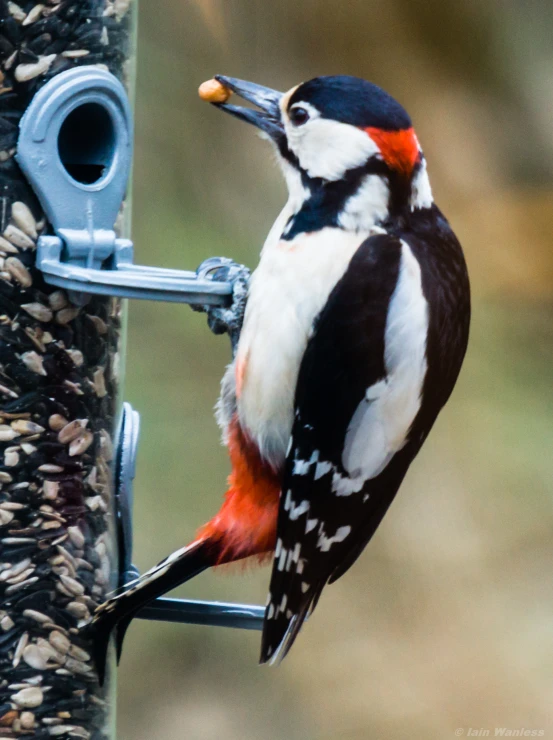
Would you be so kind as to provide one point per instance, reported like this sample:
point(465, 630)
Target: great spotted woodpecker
point(355, 329)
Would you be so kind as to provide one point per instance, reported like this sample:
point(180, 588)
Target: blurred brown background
point(446, 622)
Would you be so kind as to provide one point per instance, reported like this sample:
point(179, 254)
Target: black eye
point(298, 116)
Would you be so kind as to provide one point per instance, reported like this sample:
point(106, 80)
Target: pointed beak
point(268, 118)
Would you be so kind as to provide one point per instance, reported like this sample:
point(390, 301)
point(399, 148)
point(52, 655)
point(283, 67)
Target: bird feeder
point(67, 441)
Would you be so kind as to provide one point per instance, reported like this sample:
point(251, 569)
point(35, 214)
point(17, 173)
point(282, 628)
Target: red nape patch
point(399, 149)
point(246, 523)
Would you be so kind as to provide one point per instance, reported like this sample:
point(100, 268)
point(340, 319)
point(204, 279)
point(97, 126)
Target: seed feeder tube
point(60, 388)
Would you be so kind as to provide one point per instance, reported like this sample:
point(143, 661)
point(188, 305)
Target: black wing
point(321, 532)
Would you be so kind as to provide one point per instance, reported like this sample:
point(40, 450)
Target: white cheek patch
point(328, 149)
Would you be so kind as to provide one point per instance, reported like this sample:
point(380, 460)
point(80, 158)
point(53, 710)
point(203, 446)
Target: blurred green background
point(446, 621)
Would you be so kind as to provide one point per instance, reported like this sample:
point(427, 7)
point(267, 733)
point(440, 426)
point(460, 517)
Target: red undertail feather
point(246, 522)
point(244, 526)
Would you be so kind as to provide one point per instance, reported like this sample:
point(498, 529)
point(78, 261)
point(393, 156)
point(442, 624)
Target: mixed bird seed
point(58, 401)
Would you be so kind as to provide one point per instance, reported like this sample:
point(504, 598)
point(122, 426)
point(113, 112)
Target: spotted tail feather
point(115, 614)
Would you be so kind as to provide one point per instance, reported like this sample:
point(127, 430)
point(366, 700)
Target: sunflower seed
point(78, 610)
point(26, 72)
point(121, 7)
point(34, 362)
point(11, 458)
point(17, 12)
point(49, 468)
point(76, 537)
point(57, 300)
point(14, 235)
point(73, 586)
point(7, 623)
point(57, 422)
point(59, 641)
point(49, 651)
point(33, 15)
point(18, 586)
point(66, 315)
point(27, 720)
point(37, 616)
point(24, 426)
point(5, 517)
point(20, 577)
point(7, 247)
point(18, 271)
point(75, 53)
point(28, 698)
point(99, 382)
point(81, 444)
point(23, 218)
point(72, 430)
point(38, 311)
point(7, 433)
point(12, 506)
point(57, 730)
point(35, 657)
point(77, 666)
point(15, 570)
point(76, 355)
point(51, 489)
point(79, 654)
point(21, 645)
point(106, 445)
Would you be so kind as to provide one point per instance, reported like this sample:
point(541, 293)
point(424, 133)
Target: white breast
point(287, 291)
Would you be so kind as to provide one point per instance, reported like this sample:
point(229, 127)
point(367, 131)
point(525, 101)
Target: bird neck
point(365, 197)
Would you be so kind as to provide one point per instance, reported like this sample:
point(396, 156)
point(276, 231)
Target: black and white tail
point(116, 613)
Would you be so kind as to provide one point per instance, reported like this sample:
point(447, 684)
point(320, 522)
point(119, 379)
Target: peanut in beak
point(213, 91)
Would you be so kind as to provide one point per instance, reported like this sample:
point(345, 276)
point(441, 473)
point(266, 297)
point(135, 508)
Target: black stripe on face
point(327, 199)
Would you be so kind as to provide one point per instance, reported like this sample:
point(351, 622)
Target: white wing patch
point(380, 425)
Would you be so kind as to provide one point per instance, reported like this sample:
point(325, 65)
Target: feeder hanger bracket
point(75, 148)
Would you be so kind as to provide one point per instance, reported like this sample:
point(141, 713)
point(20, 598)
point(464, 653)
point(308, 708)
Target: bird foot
point(226, 320)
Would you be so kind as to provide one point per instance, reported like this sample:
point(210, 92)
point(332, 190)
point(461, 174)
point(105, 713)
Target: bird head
point(342, 135)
